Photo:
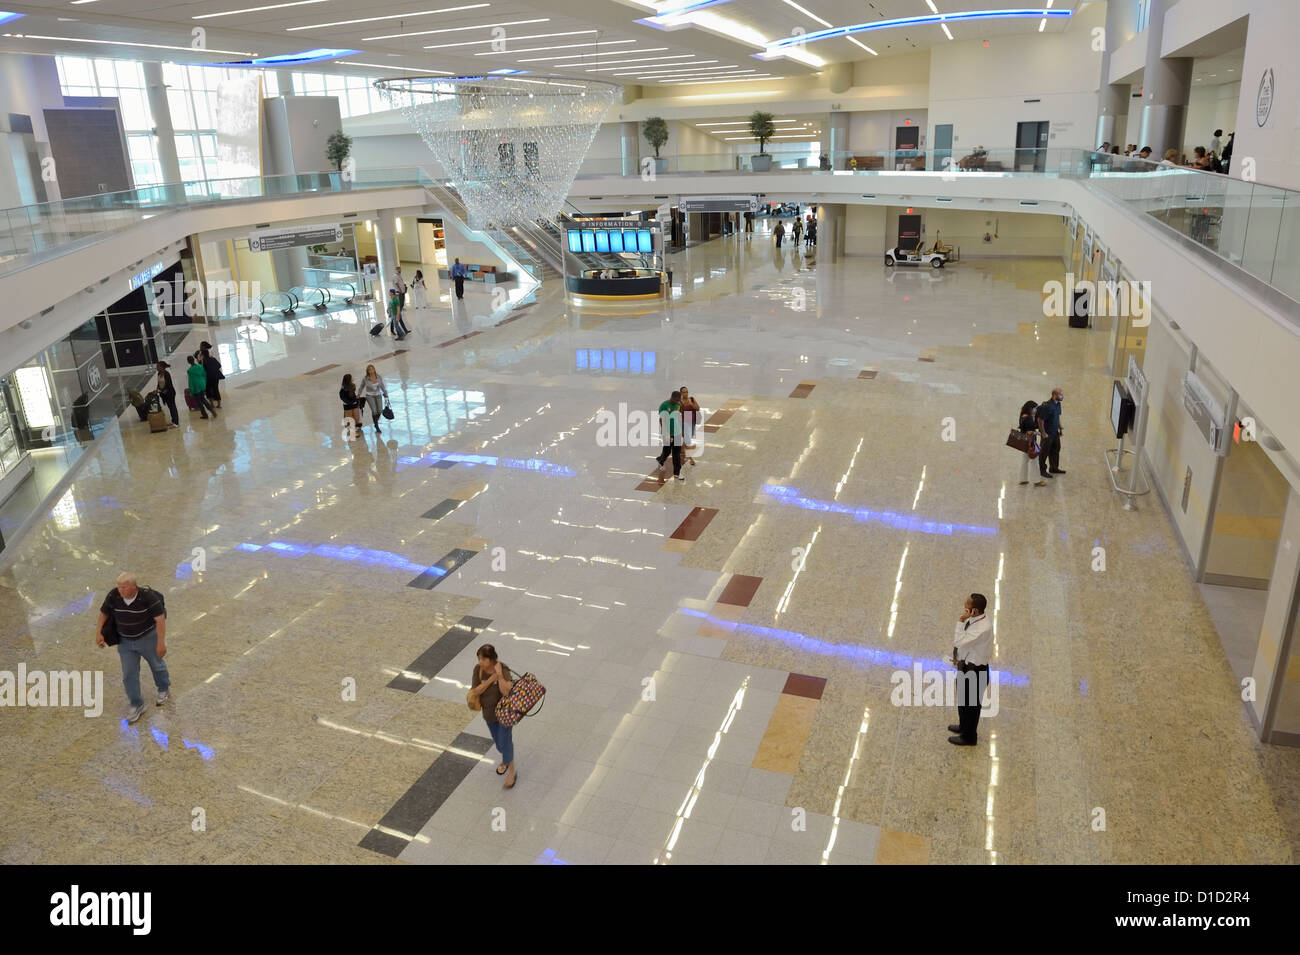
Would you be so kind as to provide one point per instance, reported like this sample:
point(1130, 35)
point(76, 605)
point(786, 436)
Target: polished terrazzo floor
point(718, 652)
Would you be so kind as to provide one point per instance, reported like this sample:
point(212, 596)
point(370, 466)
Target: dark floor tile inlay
point(432, 661)
point(416, 807)
point(443, 569)
point(442, 509)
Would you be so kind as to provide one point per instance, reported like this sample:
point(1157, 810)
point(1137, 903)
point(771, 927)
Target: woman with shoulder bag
point(1029, 425)
point(371, 390)
point(491, 682)
point(351, 403)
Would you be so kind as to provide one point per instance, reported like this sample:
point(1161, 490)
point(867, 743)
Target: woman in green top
point(491, 681)
point(199, 387)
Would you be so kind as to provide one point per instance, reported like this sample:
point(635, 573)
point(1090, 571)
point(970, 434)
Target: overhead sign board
point(143, 277)
point(268, 240)
point(718, 204)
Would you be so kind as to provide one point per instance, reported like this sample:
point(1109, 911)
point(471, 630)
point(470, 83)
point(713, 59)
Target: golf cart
point(917, 256)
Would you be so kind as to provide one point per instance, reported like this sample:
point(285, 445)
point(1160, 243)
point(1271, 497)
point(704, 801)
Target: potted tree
point(656, 134)
point(337, 150)
point(761, 128)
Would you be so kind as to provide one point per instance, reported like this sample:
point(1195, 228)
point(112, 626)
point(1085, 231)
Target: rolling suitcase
point(190, 402)
point(157, 421)
point(375, 330)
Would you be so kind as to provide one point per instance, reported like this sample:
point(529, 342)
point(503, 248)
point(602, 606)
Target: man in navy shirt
point(1049, 426)
point(458, 273)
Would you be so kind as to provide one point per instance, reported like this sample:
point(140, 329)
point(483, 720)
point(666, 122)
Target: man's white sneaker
point(164, 696)
point(134, 714)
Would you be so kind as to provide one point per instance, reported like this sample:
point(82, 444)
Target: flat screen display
point(602, 241)
point(643, 241)
point(1121, 410)
point(588, 241)
point(616, 241)
point(575, 240)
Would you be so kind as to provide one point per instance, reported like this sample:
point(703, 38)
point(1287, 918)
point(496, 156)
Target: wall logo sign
point(1264, 98)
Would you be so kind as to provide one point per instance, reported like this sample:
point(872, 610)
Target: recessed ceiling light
point(393, 16)
point(481, 26)
point(563, 46)
point(810, 14)
point(948, 32)
point(273, 6)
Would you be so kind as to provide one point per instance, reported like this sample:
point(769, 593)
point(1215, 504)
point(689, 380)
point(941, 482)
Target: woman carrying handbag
point(1028, 425)
point(491, 681)
point(371, 390)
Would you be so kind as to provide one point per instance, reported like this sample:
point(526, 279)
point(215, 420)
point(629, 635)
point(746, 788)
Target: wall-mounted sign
point(268, 240)
point(146, 275)
point(1264, 98)
point(718, 204)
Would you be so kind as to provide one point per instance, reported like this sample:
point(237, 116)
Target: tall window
point(192, 102)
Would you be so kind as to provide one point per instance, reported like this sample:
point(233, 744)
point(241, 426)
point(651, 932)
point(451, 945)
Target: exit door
point(907, 141)
point(1031, 146)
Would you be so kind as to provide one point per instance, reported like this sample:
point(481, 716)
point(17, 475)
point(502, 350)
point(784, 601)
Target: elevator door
point(1031, 146)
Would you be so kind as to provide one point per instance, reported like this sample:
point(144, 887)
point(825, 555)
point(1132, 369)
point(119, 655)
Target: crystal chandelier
point(511, 145)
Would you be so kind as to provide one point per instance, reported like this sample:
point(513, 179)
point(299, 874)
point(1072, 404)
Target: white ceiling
point(596, 32)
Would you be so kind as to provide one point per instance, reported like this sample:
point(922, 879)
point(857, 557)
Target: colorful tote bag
point(525, 697)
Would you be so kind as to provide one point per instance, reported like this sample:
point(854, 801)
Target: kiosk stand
point(1128, 413)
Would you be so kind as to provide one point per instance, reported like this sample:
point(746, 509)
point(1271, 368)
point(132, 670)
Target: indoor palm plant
point(761, 128)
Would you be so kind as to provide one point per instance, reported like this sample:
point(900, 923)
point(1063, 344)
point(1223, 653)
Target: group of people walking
point(797, 231)
point(355, 396)
point(203, 384)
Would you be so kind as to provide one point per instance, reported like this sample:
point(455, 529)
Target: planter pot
point(761, 163)
point(661, 166)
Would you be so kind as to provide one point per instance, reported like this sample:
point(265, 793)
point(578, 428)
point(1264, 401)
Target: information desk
point(635, 283)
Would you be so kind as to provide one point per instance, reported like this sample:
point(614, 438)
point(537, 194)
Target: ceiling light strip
point(391, 16)
point(581, 56)
point(481, 26)
point(535, 36)
point(809, 14)
point(149, 46)
point(273, 6)
point(748, 79)
point(562, 46)
point(786, 43)
point(399, 69)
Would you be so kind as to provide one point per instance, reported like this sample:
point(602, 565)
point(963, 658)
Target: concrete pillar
point(830, 231)
point(839, 77)
point(284, 79)
point(838, 125)
point(386, 245)
point(1110, 98)
point(1166, 87)
point(164, 133)
point(631, 148)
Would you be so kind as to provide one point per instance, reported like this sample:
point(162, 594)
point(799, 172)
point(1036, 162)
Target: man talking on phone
point(971, 650)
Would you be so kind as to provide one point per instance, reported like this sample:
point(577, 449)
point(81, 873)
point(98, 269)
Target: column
point(631, 149)
point(386, 245)
point(838, 148)
point(1166, 87)
point(164, 133)
point(1110, 97)
point(284, 80)
point(830, 231)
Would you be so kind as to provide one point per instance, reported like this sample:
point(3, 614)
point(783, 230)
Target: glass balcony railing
point(1252, 226)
